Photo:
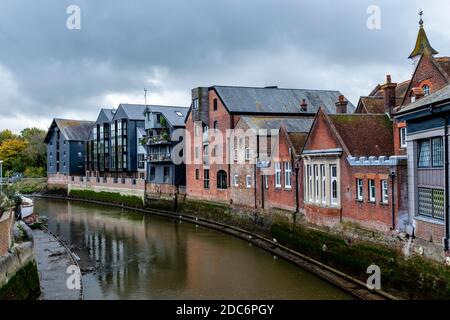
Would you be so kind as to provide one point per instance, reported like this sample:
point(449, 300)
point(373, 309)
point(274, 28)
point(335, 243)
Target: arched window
point(221, 180)
point(426, 89)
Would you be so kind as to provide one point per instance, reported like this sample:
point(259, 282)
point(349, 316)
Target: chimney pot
point(390, 98)
point(388, 79)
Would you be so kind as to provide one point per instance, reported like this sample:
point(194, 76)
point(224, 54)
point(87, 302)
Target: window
point(236, 180)
point(248, 181)
point(384, 192)
point(310, 185)
point(359, 190)
point(426, 89)
point(235, 154)
point(334, 186)
point(221, 180)
point(247, 154)
point(195, 104)
point(431, 153)
point(372, 196)
point(403, 137)
point(80, 154)
point(196, 152)
point(277, 175)
point(316, 183)
point(431, 203)
point(197, 174)
point(287, 175)
point(195, 130)
point(216, 126)
point(324, 184)
point(215, 104)
point(206, 178)
point(179, 114)
point(266, 181)
point(141, 161)
point(166, 174)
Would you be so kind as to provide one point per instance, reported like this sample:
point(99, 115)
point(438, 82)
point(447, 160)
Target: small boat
point(27, 207)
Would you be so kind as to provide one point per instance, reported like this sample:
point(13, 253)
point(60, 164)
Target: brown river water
point(128, 255)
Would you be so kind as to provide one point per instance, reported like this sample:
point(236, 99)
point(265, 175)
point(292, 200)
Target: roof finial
point(421, 15)
point(145, 96)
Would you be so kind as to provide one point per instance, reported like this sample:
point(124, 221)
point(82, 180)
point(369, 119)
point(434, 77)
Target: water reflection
point(136, 256)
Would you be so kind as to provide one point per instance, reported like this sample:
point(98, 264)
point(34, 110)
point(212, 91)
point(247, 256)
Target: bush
point(113, 197)
point(30, 186)
point(34, 172)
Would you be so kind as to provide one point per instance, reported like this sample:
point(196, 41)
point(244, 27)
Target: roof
point(438, 96)
point(373, 105)
point(365, 134)
point(131, 111)
point(72, 130)
point(298, 140)
point(277, 100)
point(176, 116)
point(291, 124)
point(141, 131)
point(422, 44)
point(105, 115)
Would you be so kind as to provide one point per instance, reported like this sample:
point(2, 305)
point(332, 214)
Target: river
point(130, 255)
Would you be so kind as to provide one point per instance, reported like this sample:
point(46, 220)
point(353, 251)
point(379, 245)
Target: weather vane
point(145, 96)
point(421, 14)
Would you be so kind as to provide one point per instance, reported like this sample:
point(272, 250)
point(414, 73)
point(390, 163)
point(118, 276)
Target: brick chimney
point(304, 105)
point(417, 93)
point(341, 105)
point(390, 99)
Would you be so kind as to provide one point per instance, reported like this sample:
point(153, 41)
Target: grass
point(113, 197)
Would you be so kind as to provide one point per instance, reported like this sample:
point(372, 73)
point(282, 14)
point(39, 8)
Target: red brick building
point(214, 113)
point(351, 172)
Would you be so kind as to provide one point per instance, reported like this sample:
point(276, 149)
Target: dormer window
point(426, 89)
point(179, 113)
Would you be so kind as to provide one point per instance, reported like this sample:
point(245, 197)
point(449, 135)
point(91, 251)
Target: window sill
point(429, 220)
point(384, 204)
point(359, 200)
point(287, 188)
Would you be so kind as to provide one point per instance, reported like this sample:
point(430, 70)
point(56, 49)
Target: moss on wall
point(24, 285)
point(112, 197)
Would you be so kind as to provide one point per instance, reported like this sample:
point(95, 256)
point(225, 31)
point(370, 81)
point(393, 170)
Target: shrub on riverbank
point(112, 197)
point(30, 186)
point(24, 285)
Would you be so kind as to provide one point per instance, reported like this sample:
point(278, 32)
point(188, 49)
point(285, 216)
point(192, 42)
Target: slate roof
point(277, 100)
point(438, 96)
point(72, 130)
point(133, 111)
point(365, 134)
point(291, 124)
point(171, 114)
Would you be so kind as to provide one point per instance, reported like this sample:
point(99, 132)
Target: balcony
point(159, 139)
point(159, 157)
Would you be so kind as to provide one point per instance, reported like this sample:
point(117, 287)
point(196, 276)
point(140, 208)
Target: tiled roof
point(72, 130)
point(277, 100)
point(422, 45)
point(373, 105)
point(291, 124)
point(440, 95)
point(175, 115)
point(298, 140)
point(365, 135)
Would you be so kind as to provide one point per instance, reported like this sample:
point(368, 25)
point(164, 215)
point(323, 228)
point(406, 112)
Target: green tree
point(12, 154)
point(6, 135)
point(36, 151)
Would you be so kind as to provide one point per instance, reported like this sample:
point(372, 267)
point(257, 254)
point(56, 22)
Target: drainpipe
point(393, 175)
point(256, 173)
point(297, 206)
point(446, 186)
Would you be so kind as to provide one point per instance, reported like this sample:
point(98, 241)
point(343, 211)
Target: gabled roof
point(176, 116)
point(364, 134)
point(105, 115)
point(373, 105)
point(277, 100)
point(130, 111)
point(72, 130)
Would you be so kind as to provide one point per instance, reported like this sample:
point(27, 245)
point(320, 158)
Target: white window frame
point(316, 184)
point(247, 154)
point(277, 175)
point(288, 175)
point(324, 183)
point(236, 180)
point(195, 130)
point(359, 189)
point(310, 186)
point(384, 192)
point(334, 179)
point(403, 143)
point(195, 104)
point(372, 191)
point(266, 181)
point(248, 181)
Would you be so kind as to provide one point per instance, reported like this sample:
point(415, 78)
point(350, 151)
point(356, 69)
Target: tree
point(12, 154)
point(36, 150)
point(6, 135)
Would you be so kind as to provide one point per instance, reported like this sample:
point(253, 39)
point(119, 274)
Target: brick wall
point(430, 231)
point(57, 179)
point(195, 188)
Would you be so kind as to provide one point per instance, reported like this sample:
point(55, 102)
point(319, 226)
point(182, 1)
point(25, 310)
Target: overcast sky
point(169, 47)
